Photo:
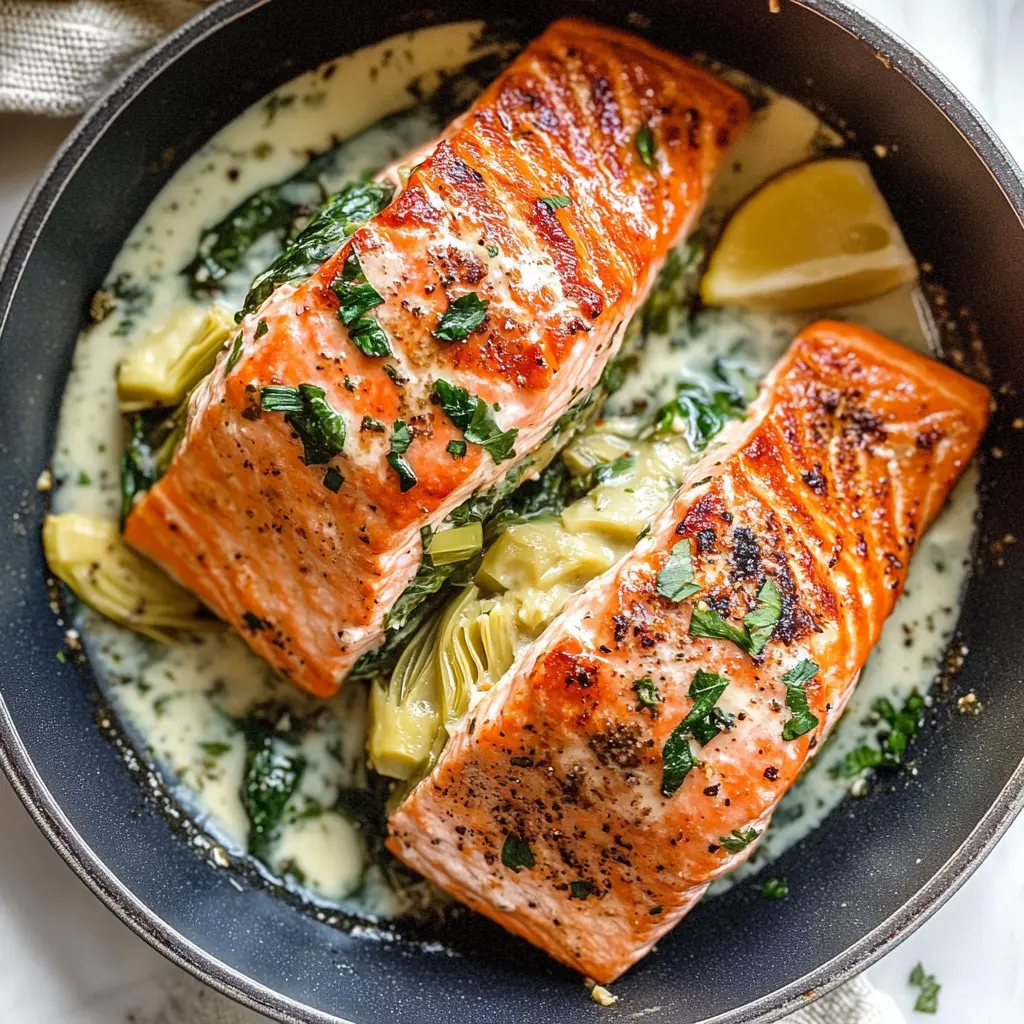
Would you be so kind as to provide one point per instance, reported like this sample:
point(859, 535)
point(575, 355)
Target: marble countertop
point(67, 960)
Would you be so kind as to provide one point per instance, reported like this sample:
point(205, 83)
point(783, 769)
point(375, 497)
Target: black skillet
point(873, 871)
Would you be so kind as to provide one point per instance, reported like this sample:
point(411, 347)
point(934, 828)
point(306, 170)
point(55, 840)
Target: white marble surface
point(65, 960)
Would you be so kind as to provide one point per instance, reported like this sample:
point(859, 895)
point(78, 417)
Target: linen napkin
point(56, 56)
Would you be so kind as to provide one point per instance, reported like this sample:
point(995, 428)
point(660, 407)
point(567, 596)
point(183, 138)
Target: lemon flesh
point(819, 235)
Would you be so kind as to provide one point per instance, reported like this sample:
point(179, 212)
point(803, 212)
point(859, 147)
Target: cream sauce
point(183, 701)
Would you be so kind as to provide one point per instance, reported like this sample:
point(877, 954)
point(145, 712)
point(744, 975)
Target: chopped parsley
point(320, 428)
point(774, 889)
point(582, 889)
point(928, 1000)
point(236, 353)
point(493, 250)
point(556, 202)
point(763, 619)
point(461, 318)
point(516, 853)
point(373, 424)
point(401, 438)
point(62, 657)
point(215, 749)
point(738, 839)
point(456, 449)
point(395, 374)
point(646, 692)
point(333, 480)
point(903, 726)
point(262, 328)
point(796, 679)
point(758, 624)
point(646, 145)
point(701, 722)
point(475, 418)
point(707, 622)
point(357, 297)
point(676, 580)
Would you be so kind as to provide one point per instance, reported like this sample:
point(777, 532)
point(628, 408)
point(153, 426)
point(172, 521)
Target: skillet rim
point(69, 844)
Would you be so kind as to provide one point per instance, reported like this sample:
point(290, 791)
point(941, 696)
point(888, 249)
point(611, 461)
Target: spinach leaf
point(273, 770)
point(676, 579)
point(357, 297)
point(321, 430)
point(322, 238)
point(803, 719)
point(223, 247)
point(475, 418)
point(699, 411)
point(153, 437)
point(462, 317)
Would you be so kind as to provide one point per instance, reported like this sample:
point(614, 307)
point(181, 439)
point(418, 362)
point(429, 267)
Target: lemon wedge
point(816, 236)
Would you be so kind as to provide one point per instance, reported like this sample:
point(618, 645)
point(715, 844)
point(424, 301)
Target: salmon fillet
point(554, 200)
point(588, 800)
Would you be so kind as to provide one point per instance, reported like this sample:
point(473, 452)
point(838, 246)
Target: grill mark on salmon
point(844, 403)
point(240, 519)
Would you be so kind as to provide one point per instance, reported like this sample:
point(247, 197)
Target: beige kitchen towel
point(56, 56)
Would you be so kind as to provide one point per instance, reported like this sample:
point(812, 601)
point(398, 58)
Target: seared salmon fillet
point(638, 747)
point(431, 354)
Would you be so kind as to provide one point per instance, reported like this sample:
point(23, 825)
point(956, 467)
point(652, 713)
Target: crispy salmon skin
point(638, 747)
point(507, 268)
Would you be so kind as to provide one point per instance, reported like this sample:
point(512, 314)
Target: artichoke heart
point(543, 554)
point(461, 651)
point(91, 557)
point(619, 510)
point(406, 713)
point(164, 367)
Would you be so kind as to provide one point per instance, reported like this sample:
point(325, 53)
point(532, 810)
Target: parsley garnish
point(456, 449)
point(774, 889)
point(320, 428)
point(556, 202)
point(646, 145)
point(357, 297)
point(928, 1000)
point(261, 328)
point(236, 354)
point(676, 755)
point(761, 622)
point(646, 692)
point(676, 579)
point(758, 624)
point(373, 424)
point(215, 749)
point(582, 889)
point(401, 438)
point(904, 725)
point(253, 622)
point(796, 679)
point(493, 250)
point(738, 839)
point(475, 418)
point(333, 480)
point(708, 623)
point(462, 317)
point(396, 377)
point(516, 853)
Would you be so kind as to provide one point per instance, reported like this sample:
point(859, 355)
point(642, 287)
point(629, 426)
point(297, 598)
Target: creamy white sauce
point(183, 701)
